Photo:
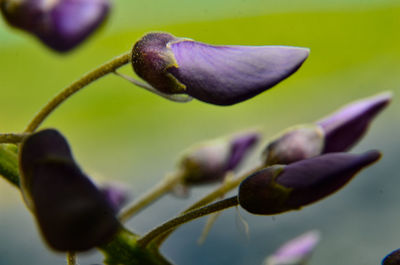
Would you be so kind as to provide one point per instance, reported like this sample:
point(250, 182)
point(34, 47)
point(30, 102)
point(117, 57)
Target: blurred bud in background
point(59, 24)
point(72, 213)
point(280, 188)
point(221, 75)
point(210, 161)
point(297, 251)
point(336, 133)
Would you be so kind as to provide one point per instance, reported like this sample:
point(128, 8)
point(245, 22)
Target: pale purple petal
point(60, 24)
point(226, 75)
point(344, 128)
point(240, 147)
point(295, 251)
point(72, 21)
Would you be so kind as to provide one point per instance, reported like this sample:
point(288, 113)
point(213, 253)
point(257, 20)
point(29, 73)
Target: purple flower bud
point(221, 75)
point(335, 133)
point(72, 214)
point(210, 161)
point(344, 128)
point(392, 259)
point(60, 24)
point(295, 252)
point(294, 145)
point(116, 194)
point(278, 189)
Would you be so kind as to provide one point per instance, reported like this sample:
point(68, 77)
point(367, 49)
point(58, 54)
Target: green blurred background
point(119, 132)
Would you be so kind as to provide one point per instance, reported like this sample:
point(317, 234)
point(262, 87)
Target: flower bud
point(221, 75)
point(279, 188)
point(344, 128)
point(392, 259)
point(60, 24)
point(296, 144)
point(335, 133)
point(210, 161)
point(296, 251)
point(72, 214)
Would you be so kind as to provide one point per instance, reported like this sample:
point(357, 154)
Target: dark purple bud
point(296, 144)
point(221, 75)
point(392, 259)
point(210, 161)
point(296, 251)
point(344, 128)
point(278, 189)
point(116, 194)
point(60, 24)
point(72, 213)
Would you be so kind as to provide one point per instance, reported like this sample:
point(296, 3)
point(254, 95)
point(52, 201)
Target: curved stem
point(150, 196)
point(177, 221)
point(227, 186)
point(88, 78)
point(12, 138)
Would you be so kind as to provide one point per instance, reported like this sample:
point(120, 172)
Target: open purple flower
point(210, 161)
point(60, 24)
point(279, 188)
point(221, 75)
point(296, 251)
point(336, 133)
point(72, 213)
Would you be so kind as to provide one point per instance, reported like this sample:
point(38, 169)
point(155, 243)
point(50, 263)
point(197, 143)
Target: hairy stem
point(228, 185)
point(187, 217)
point(12, 138)
point(108, 67)
point(150, 196)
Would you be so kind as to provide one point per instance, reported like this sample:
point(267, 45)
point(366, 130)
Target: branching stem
point(189, 216)
point(12, 138)
point(152, 195)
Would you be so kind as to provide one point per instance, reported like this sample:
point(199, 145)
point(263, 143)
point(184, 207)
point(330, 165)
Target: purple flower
point(344, 128)
point(279, 188)
point(296, 251)
point(60, 24)
point(335, 133)
point(72, 213)
point(392, 259)
point(210, 161)
point(221, 75)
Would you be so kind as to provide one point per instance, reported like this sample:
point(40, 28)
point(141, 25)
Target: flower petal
point(344, 128)
point(225, 75)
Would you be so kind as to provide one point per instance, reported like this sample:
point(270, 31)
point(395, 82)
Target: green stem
point(12, 138)
point(227, 186)
point(108, 67)
point(152, 195)
point(71, 258)
point(177, 221)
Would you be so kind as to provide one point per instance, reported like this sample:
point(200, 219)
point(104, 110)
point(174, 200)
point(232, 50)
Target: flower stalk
point(152, 195)
point(145, 240)
point(108, 67)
